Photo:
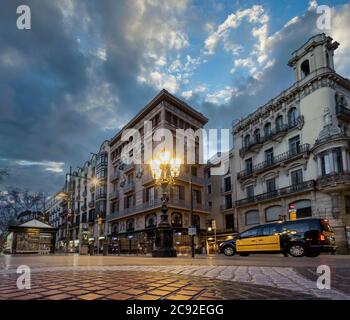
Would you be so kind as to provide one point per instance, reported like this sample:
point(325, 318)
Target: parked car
point(303, 237)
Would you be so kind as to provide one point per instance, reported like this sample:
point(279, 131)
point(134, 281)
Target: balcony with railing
point(302, 187)
point(343, 112)
point(101, 195)
point(129, 167)
point(334, 179)
point(83, 207)
point(91, 204)
point(129, 188)
point(157, 203)
point(275, 161)
point(114, 176)
point(274, 134)
point(114, 195)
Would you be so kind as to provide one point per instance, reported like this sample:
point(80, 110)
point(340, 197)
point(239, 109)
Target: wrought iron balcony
point(101, 195)
point(114, 195)
point(272, 135)
point(277, 160)
point(308, 185)
point(128, 188)
point(334, 179)
point(115, 176)
point(91, 204)
point(157, 203)
point(83, 208)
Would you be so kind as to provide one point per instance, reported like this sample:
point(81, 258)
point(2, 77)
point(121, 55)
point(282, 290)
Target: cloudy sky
point(86, 67)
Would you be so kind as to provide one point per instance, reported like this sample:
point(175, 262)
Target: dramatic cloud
point(86, 67)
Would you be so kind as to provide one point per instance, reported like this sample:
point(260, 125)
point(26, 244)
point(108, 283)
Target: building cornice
point(164, 95)
point(322, 77)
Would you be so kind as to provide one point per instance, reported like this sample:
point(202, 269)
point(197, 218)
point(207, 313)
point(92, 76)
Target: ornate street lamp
point(165, 170)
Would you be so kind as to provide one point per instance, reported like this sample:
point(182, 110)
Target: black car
point(302, 237)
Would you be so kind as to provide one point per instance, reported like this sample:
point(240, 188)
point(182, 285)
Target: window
point(292, 117)
point(193, 171)
point(176, 220)
point(303, 208)
point(267, 130)
point(149, 194)
point(257, 136)
point(270, 230)
point(347, 204)
point(252, 217)
point(298, 227)
point(325, 163)
point(250, 191)
point(229, 222)
point(130, 179)
point(227, 184)
point(129, 201)
point(228, 201)
point(197, 195)
point(209, 189)
point(273, 213)
point(297, 177)
point(271, 185)
point(305, 69)
point(249, 165)
point(279, 123)
point(269, 156)
point(294, 145)
point(249, 233)
point(196, 221)
point(151, 220)
point(337, 160)
point(247, 140)
point(130, 225)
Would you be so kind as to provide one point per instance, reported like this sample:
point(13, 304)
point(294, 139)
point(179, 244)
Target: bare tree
point(13, 202)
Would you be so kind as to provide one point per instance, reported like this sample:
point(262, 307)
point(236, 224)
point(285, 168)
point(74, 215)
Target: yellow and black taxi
point(303, 237)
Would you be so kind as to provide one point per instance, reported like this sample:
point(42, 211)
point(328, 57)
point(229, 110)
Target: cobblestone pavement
point(272, 279)
point(124, 285)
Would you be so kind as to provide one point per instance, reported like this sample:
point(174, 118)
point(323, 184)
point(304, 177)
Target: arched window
point(257, 136)
point(267, 130)
point(252, 217)
point(176, 220)
point(196, 221)
point(247, 140)
point(305, 69)
point(115, 229)
point(130, 225)
point(273, 213)
point(292, 116)
point(279, 123)
point(151, 220)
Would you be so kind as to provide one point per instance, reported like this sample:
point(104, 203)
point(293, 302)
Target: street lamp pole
point(192, 217)
point(165, 170)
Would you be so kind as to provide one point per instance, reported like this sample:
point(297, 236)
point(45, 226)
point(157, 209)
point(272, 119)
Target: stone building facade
point(135, 199)
point(295, 149)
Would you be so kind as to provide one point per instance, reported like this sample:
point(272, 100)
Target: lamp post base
point(164, 242)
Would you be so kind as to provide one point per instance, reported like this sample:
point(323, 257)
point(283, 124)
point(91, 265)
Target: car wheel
point(313, 254)
point(229, 251)
point(244, 254)
point(297, 250)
